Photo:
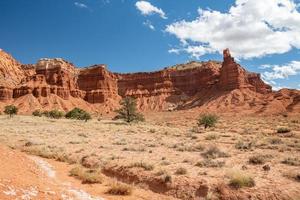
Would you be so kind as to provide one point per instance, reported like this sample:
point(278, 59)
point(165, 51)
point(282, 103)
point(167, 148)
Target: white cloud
point(251, 28)
point(149, 25)
point(282, 72)
point(80, 5)
point(147, 8)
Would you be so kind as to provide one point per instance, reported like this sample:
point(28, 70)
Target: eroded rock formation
point(56, 83)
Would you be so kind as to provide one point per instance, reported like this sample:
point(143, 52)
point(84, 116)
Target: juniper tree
point(11, 110)
point(128, 111)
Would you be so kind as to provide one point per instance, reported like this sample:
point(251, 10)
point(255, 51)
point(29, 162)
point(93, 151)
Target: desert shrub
point(10, 110)
point(119, 189)
point(283, 130)
point(275, 140)
point(55, 114)
point(79, 114)
point(239, 179)
point(214, 152)
point(207, 120)
point(259, 159)
point(145, 166)
point(210, 163)
point(211, 136)
point(291, 161)
point(294, 175)
point(181, 171)
point(128, 111)
point(87, 176)
point(242, 145)
point(37, 113)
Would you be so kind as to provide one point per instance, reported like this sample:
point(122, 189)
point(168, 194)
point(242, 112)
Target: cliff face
point(56, 83)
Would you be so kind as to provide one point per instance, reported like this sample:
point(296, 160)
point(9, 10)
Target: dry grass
point(240, 179)
point(171, 146)
point(118, 188)
point(87, 176)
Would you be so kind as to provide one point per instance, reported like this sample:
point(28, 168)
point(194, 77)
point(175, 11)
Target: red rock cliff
point(56, 83)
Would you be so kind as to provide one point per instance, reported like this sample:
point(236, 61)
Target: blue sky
point(131, 35)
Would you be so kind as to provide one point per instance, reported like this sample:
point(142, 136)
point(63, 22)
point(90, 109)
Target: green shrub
point(11, 110)
point(37, 113)
point(207, 120)
point(283, 130)
point(79, 114)
point(55, 114)
point(128, 111)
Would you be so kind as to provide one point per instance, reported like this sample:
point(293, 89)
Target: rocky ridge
point(58, 84)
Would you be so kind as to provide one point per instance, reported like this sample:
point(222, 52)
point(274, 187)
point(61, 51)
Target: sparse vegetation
point(283, 130)
point(78, 114)
point(37, 113)
point(87, 176)
point(181, 171)
point(10, 110)
point(291, 161)
point(239, 179)
point(145, 166)
point(128, 111)
point(210, 163)
point(211, 136)
point(54, 114)
point(259, 159)
point(214, 152)
point(243, 145)
point(207, 120)
point(119, 189)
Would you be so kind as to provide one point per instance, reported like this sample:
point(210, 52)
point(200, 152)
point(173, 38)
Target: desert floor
point(167, 156)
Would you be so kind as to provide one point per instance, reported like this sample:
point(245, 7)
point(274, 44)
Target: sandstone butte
point(205, 86)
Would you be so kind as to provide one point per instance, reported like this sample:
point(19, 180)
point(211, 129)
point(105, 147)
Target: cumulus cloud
point(149, 25)
point(147, 8)
point(80, 5)
point(281, 72)
point(251, 28)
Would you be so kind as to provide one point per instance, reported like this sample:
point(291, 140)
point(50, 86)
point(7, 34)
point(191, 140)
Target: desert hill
point(215, 86)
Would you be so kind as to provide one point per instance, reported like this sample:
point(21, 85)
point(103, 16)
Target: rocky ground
point(166, 157)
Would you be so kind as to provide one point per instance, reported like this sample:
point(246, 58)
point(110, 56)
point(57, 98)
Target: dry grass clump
point(239, 179)
point(211, 136)
point(87, 176)
point(242, 145)
point(145, 166)
point(181, 171)
point(210, 163)
point(275, 140)
point(119, 189)
point(214, 152)
point(291, 161)
point(259, 159)
point(283, 130)
point(292, 175)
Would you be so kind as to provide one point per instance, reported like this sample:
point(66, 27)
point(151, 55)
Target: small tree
point(128, 111)
point(55, 114)
point(37, 113)
point(207, 120)
point(79, 114)
point(11, 110)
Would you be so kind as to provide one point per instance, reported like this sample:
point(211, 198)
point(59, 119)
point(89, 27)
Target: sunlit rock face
point(58, 84)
